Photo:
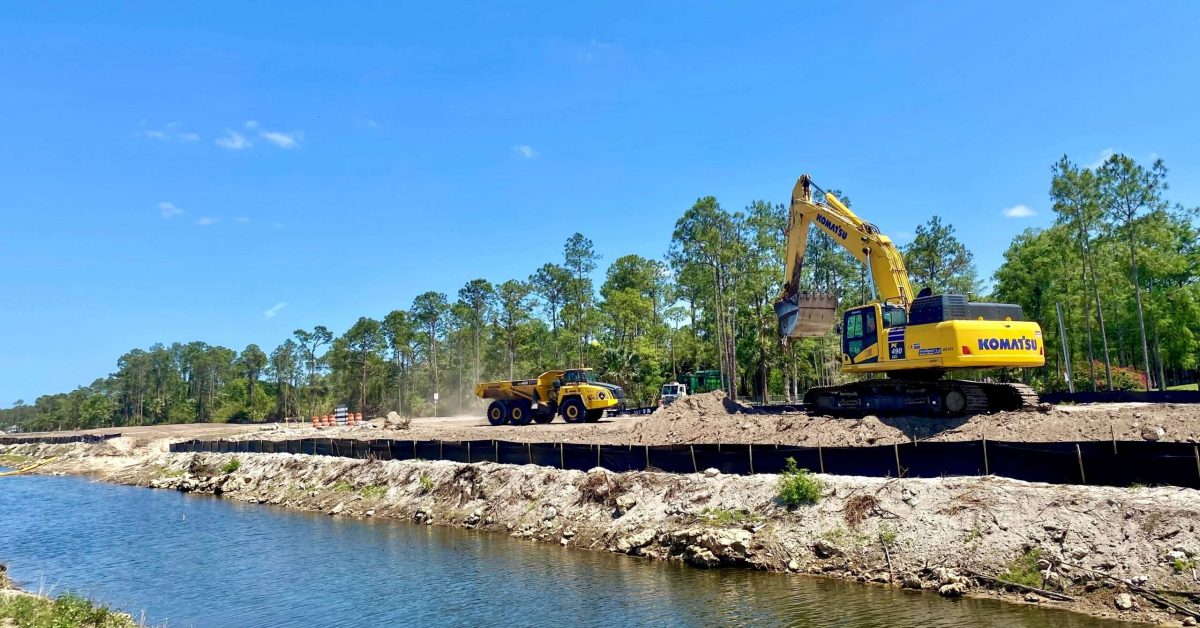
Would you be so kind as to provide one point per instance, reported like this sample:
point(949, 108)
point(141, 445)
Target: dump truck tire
point(594, 415)
point(519, 413)
point(497, 414)
point(573, 410)
point(543, 417)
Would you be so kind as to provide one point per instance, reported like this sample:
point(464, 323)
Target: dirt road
point(711, 418)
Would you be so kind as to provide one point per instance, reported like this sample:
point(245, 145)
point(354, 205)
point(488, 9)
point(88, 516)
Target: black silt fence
point(55, 440)
point(1112, 463)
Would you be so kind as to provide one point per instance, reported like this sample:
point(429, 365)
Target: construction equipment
point(672, 391)
point(572, 393)
point(702, 381)
point(912, 339)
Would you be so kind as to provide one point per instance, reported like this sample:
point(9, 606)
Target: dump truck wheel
point(574, 411)
point(519, 413)
point(497, 414)
point(594, 415)
point(543, 417)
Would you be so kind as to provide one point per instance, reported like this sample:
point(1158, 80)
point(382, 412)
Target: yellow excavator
point(912, 339)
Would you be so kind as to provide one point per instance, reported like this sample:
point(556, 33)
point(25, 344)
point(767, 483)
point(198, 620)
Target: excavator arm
point(810, 314)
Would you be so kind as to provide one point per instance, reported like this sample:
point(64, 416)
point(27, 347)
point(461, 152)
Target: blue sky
point(229, 172)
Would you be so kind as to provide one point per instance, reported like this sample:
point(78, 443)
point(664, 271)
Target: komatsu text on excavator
point(911, 338)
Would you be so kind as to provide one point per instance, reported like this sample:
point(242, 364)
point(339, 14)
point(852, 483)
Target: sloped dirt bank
point(933, 534)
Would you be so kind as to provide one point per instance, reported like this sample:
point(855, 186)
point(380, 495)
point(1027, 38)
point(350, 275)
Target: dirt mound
point(707, 417)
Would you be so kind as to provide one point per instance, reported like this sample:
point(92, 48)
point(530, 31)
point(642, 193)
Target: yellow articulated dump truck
point(573, 393)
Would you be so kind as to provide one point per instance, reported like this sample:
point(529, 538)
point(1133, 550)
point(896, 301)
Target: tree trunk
point(1137, 292)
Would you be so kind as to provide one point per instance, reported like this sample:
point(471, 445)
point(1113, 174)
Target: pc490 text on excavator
point(912, 339)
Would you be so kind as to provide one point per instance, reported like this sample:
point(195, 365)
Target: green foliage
point(937, 259)
point(67, 610)
point(426, 483)
point(1183, 565)
point(1024, 569)
point(726, 517)
point(798, 487)
point(373, 491)
point(1117, 247)
point(342, 486)
point(233, 465)
point(887, 535)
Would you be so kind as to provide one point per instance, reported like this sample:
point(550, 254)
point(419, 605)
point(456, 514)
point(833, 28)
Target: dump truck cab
point(671, 392)
point(574, 394)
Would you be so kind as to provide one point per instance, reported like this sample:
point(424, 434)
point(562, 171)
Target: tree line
point(1121, 260)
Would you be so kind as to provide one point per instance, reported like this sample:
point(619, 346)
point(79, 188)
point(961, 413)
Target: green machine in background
point(702, 381)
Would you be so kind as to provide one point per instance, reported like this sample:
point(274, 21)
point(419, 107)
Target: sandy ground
point(710, 418)
point(1106, 548)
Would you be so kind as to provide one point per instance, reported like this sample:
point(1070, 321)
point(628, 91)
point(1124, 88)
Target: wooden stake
point(496, 450)
point(899, 471)
point(820, 457)
point(1196, 452)
point(468, 452)
point(695, 469)
point(597, 455)
point(647, 457)
point(751, 458)
point(1079, 456)
point(1112, 430)
point(562, 457)
point(986, 469)
point(529, 450)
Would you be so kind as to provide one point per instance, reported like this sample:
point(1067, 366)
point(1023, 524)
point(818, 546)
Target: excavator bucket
point(806, 314)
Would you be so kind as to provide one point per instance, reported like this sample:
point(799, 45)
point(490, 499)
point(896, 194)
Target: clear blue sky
point(229, 172)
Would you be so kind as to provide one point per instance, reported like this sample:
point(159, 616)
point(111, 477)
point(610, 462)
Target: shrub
point(798, 487)
point(426, 483)
point(725, 517)
point(1024, 569)
point(233, 465)
point(67, 610)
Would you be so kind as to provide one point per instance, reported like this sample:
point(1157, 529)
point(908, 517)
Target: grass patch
point(342, 487)
point(373, 491)
point(798, 487)
point(233, 465)
point(1024, 569)
point(1183, 387)
point(1181, 565)
point(426, 483)
point(14, 460)
point(728, 517)
point(66, 610)
point(974, 534)
point(887, 535)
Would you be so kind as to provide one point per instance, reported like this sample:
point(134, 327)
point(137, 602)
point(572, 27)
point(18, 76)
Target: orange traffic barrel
point(316, 422)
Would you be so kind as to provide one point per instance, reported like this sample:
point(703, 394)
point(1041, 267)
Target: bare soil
point(713, 418)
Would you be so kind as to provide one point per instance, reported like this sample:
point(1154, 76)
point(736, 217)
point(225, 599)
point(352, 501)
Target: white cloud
point(251, 124)
point(170, 133)
point(1018, 211)
point(525, 150)
point(233, 141)
point(283, 140)
point(242, 219)
point(274, 309)
point(205, 221)
point(169, 210)
point(371, 123)
point(1101, 158)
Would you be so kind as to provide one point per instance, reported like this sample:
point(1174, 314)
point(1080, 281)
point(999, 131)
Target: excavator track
point(934, 398)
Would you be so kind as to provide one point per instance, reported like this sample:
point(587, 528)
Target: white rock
point(1123, 601)
point(793, 565)
point(711, 473)
point(337, 510)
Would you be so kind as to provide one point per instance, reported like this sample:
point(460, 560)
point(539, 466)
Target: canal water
point(191, 560)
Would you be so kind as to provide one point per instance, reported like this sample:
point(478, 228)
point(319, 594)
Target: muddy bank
point(948, 535)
